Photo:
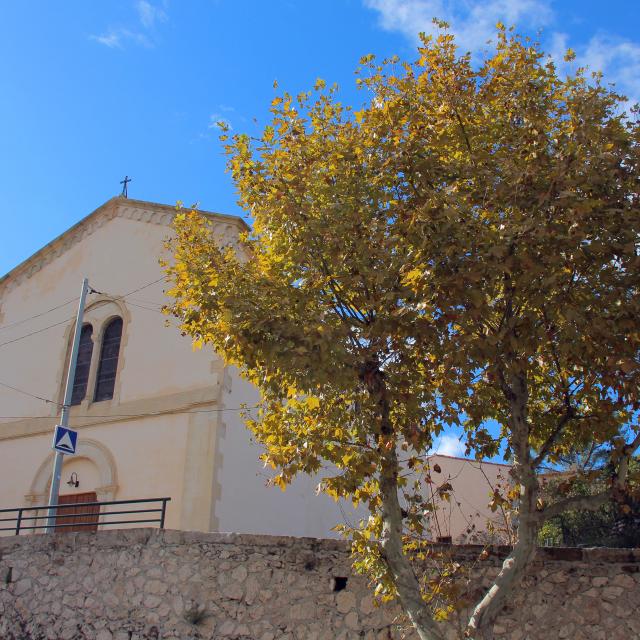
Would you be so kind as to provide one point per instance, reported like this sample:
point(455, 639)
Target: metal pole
point(64, 414)
point(164, 511)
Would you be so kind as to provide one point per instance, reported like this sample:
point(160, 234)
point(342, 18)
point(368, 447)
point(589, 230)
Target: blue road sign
point(64, 440)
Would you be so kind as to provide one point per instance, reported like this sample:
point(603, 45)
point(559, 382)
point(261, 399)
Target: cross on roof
point(124, 184)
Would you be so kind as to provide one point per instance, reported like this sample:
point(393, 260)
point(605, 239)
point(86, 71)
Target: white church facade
point(154, 418)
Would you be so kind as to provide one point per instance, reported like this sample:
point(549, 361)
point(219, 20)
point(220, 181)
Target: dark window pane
point(82, 366)
point(108, 360)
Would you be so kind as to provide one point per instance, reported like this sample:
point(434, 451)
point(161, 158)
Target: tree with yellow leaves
point(462, 249)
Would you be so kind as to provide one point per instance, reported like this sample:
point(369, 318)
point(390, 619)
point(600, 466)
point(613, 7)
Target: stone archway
point(89, 449)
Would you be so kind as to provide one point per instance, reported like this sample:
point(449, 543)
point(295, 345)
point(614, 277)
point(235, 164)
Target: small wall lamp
point(73, 480)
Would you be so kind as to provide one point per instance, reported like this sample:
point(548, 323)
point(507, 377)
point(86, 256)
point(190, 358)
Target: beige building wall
point(243, 501)
point(145, 442)
point(173, 428)
point(465, 516)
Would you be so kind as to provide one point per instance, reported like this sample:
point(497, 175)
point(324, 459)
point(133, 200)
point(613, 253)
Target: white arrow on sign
point(65, 443)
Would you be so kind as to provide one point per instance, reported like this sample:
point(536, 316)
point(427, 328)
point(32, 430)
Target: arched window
point(108, 364)
point(83, 365)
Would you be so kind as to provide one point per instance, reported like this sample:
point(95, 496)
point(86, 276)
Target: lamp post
point(66, 405)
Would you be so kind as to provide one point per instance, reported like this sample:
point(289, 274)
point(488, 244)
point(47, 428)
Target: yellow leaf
point(412, 277)
point(312, 402)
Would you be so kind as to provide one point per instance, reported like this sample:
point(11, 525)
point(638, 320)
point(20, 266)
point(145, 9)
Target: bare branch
point(592, 503)
point(556, 433)
point(588, 503)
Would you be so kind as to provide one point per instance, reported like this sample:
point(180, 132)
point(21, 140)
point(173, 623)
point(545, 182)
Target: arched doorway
point(87, 476)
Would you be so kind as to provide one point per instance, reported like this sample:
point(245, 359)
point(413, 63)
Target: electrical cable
point(33, 333)
point(132, 415)
point(32, 395)
point(124, 295)
point(139, 306)
point(38, 315)
point(57, 324)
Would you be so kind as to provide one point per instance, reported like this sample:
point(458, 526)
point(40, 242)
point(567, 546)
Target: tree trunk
point(513, 569)
point(398, 563)
point(524, 550)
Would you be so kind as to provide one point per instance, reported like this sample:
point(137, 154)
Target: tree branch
point(588, 503)
point(591, 503)
point(464, 132)
point(555, 434)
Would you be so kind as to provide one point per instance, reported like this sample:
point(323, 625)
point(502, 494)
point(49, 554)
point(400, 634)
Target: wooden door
point(83, 518)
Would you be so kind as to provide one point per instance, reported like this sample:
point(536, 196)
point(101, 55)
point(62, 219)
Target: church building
point(154, 418)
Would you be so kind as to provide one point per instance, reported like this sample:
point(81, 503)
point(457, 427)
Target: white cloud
point(215, 118)
point(449, 446)
point(472, 21)
point(619, 61)
point(149, 14)
point(111, 39)
point(116, 38)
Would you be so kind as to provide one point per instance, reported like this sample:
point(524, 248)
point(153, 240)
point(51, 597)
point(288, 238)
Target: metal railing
point(95, 518)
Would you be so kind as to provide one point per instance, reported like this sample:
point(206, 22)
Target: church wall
point(299, 511)
point(158, 372)
point(148, 458)
point(244, 502)
point(465, 515)
point(118, 257)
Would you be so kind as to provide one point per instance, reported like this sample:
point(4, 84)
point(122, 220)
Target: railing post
point(164, 510)
point(20, 518)
point(18, 522)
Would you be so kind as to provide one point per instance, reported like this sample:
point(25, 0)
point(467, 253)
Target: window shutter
point(108, 365)
point(85, 350)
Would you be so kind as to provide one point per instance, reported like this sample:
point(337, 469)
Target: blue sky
point(94, 90)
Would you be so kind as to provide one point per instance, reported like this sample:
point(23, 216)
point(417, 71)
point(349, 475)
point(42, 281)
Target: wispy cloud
point(111, 39)
point(619, 61)
point(142, 34)
point(449, 446)
point(150, 14)
point(473, 21)
point(117, 38)
point(216, 118)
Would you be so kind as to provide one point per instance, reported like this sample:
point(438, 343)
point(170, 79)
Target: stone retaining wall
point(149, 584)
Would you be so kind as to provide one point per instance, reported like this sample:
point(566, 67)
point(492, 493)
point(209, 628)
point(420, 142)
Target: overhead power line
point(67, 320)
point(38, 315)
point(33, 333)
point(133, 415)
point(32, 395)
point(130, 293)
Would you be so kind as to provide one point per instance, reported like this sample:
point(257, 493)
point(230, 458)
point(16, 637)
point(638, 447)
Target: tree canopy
point(461, 250)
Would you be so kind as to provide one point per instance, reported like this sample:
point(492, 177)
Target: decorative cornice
point(100, 413)
point(139, 210)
